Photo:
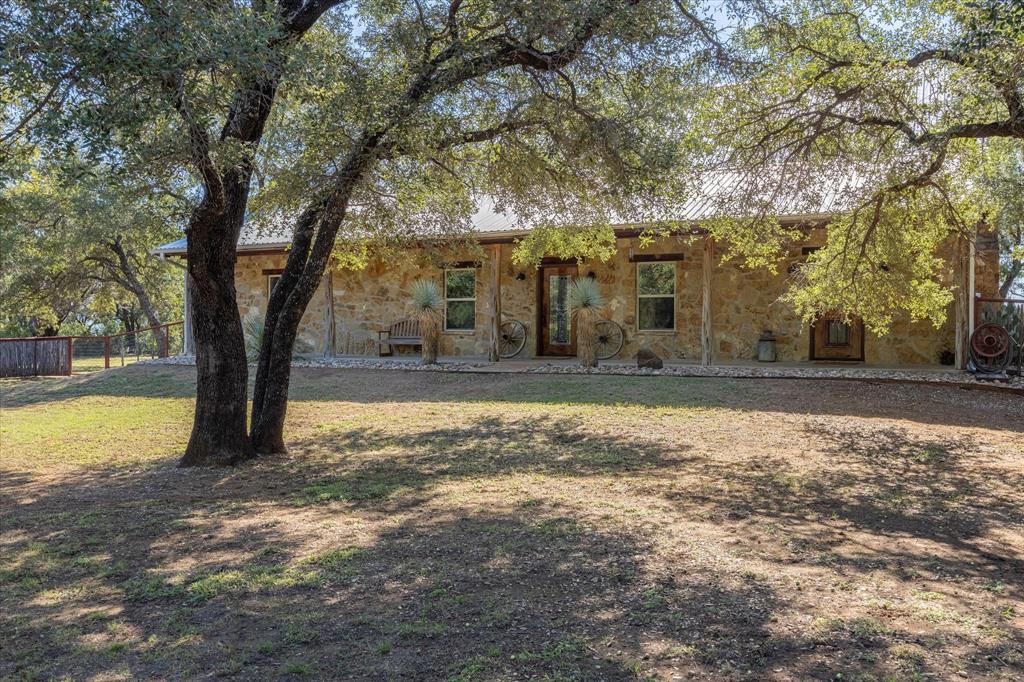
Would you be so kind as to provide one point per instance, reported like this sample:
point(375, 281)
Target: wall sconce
point(592, 275)
point(520, 276)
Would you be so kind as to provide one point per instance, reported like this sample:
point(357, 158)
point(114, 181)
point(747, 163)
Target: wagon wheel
point(609, 339)
point(511, 338)
point(990, 347)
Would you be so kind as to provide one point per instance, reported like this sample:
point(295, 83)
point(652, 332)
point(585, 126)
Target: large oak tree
point(550, 99)
point(893, 113)
point(569, 111)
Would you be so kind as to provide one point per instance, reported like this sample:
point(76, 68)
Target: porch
point(914, 374)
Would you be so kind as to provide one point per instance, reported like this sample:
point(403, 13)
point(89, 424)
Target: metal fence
point(1009, 314)
point(62, 355)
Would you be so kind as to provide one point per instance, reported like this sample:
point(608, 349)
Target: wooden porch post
point(330, 340)
point(188, 348)
point(961, 303)
point(707, 354)
point(493, 351)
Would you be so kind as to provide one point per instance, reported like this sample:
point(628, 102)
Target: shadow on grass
point(170, 573)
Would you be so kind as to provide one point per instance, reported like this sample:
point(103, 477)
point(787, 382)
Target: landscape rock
point(648, 359)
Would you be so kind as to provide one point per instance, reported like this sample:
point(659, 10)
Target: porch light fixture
point(520, 276)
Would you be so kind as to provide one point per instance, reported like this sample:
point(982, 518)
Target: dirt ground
point(429, 526)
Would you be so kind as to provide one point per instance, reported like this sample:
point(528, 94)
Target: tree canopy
point(76, 247)
point(893, 107)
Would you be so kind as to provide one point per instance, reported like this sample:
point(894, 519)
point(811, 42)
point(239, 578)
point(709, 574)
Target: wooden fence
point(40, 355)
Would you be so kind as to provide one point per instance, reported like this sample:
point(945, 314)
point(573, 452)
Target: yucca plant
point(586, 301)
point(252, 330)
point(427, 302)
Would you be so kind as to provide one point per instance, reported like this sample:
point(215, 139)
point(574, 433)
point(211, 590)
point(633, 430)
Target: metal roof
point(721, 194)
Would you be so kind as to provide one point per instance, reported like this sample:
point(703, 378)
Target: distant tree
point(77, 247)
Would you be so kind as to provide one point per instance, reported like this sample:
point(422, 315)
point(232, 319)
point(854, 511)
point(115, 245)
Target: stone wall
point(744, 302)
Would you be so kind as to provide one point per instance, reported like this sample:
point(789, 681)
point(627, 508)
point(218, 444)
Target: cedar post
point(71, 342)
point(187, 347)
point(330, 340)
point(706, 333)
point(106, 352)
point(493, 353)
point(961, 303)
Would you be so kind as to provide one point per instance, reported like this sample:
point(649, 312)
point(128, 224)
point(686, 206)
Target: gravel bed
point(412, 363)
point(621, 369)
point(931, 376)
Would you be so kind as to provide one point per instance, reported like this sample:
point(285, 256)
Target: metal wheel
point(991, 347)
point(609, 339)
point(511, 338)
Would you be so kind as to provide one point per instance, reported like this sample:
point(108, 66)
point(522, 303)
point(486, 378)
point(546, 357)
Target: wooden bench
point(402, 333)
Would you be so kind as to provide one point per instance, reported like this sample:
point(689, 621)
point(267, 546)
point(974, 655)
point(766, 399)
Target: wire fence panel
point(88, 353)
point(37, 356)
point(145, 344)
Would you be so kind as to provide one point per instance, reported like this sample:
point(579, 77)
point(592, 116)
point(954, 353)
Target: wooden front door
point(833, 338)
point(557, 332)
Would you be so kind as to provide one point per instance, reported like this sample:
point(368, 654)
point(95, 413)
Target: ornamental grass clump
point(586, 300)
point(427, 302)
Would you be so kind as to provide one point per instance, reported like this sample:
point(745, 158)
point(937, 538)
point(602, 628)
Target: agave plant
point(586, 301)
point(427, 302)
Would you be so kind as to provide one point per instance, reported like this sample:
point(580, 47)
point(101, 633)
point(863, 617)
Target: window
point(272, 281)
point(838, 334)
point(460, 299)
point(656, 296)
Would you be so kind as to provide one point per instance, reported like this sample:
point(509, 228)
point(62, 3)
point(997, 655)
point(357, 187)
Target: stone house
point(675, 297)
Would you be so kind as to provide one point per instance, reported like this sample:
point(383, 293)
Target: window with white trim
point(460, 299)
point(655, 297)
point(272, 281)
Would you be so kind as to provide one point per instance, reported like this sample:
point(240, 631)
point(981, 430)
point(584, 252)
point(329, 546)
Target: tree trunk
point(307, 262)
point(129, 279)
point(430, 330)
point(287, 303)
point(219, 434)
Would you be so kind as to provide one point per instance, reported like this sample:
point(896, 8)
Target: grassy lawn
point(497, 527)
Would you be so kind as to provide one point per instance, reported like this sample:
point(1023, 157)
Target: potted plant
point(426, 301)
point(586, 300)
